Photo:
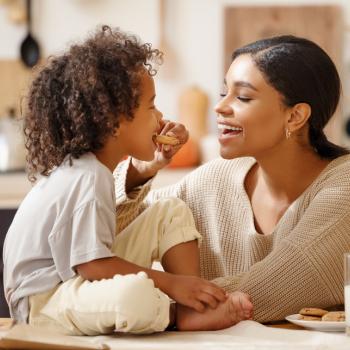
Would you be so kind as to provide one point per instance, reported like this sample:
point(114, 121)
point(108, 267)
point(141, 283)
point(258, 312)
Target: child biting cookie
point(87, 109)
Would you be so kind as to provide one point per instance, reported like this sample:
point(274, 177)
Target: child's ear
point(116, 132)
point(123, 124)
point(298, 116)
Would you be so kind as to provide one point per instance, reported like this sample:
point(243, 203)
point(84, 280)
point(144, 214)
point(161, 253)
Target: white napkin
point(247, 335)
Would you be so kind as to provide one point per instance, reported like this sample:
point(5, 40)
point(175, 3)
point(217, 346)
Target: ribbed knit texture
point(300, 264)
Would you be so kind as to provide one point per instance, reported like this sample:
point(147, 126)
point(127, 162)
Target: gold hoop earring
point(288, 133)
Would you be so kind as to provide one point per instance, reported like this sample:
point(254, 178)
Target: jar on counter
point(12, 150)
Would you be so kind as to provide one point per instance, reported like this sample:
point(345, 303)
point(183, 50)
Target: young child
point(64, 268)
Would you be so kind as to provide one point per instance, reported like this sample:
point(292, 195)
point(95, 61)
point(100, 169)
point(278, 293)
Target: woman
point(273, 213)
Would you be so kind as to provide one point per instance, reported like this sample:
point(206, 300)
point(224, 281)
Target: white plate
point(317, 325)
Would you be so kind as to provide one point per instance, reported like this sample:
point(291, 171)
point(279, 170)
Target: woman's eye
point(224, 91)
point(243, 99)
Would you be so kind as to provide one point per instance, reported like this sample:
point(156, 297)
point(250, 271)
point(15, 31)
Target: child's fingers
point(208, 300)
point(175, 130)
point(180, 132)
point(217, 292)
point(198, 306)
point(167, 127)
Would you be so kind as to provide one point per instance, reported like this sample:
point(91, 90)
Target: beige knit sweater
point(300, 264)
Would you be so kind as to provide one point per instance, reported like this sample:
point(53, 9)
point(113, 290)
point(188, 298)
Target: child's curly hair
point(77, 99)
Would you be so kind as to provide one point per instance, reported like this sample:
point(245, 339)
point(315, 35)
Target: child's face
point(251, 116)
point(137, 135)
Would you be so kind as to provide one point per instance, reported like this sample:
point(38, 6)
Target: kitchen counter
point(14, 186)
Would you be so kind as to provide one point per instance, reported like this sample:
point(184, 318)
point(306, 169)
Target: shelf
point(15, 186)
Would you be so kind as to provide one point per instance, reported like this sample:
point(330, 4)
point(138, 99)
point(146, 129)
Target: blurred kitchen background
point(197, 37)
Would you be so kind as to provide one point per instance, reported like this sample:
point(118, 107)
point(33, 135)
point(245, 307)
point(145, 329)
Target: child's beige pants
point(127, 303)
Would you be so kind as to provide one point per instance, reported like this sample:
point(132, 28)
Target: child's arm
point(191, 291)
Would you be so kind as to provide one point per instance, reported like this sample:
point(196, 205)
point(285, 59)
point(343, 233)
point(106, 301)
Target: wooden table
point(26, 337)
point(7, 323)
point(285, 325)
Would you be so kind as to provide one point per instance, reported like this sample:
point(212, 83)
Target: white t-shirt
point(68, 218)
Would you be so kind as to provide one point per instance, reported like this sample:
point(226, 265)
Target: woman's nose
point(223, 108)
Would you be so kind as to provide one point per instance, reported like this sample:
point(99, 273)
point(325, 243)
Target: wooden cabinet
point(14, 84)
point(322, 24)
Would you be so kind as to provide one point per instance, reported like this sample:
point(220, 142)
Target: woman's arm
point(305, 268)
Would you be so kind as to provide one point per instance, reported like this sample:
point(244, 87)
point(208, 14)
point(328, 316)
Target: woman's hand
point(194, 292)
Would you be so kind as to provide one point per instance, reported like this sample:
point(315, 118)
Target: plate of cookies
point(319, 319)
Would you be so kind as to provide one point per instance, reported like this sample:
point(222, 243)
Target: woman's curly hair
point(77, 99)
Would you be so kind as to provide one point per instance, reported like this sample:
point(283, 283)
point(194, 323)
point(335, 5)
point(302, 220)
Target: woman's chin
point(229, 154)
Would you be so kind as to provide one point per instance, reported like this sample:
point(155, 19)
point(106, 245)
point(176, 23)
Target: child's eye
point(223, 94)
point(243, 99)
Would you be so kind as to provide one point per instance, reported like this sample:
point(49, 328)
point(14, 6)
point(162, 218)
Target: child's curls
point(76, 100)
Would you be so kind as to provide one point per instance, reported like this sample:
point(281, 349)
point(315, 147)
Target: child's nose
point(159, 116)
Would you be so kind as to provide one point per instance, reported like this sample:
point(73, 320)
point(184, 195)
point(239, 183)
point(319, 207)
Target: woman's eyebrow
point(152, 98)
point(241, 83)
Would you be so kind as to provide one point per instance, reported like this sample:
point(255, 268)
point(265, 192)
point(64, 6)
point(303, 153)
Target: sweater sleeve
point(305, 268)
point(130, 205)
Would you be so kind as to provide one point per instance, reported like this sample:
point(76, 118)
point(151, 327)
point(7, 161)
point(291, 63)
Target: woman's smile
point(228, 132)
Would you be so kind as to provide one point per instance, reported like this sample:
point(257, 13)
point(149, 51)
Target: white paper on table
point(247, 335)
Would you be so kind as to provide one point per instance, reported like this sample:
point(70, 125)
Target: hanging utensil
point(169, 68)
point(30, 51)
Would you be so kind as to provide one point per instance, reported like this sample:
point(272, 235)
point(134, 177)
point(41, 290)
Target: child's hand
point(195, 292)
point(143, 170)
point(164, 153)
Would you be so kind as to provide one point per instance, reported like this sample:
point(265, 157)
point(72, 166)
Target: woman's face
point(251, 117)
point(137, 134)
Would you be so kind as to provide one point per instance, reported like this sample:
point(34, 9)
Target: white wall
point(197, 36)
point(57, 22)
point(194, 34)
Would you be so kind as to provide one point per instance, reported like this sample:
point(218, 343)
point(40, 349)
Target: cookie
point(166, 140)
point(309, 318)
point(334, 316)
point(312, 311)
